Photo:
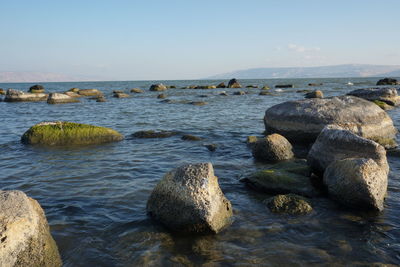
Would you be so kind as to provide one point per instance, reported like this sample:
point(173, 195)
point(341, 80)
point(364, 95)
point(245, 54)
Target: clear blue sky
point(136, 40)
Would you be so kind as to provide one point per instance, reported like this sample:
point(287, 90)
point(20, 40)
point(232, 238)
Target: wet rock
point(239, 93)
point(382, 105)
point(265, 87)
point(90, 92)
point(289, 204)
point(75, 90)
point(221, 85)
point(315, 84)
point(60, 133)
point(357, 183)
point(198, 103)
point(387, 95)
point(121, 95)
point(189, 137)
point(189, 199)
point(314, 94)
point(36, 89)
point(2, 91)
point(233, 83)
point(283, 178)
point(301, 121)
point(136, 90)
point(158, 87)
point(284, 86)
point(335, 143)
point(153, 134)
point(211, 147)
point(161, 96)
point(56, 98)
point(273, 148)
point(25, 238)
point(19, 96)
point(388, 81)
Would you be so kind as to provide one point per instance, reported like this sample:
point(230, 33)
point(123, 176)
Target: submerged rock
point(387, 95)
point(233, 83)
point(19, 96)
point(189, 137)
point(335, 143)
point(57, 98)
point(136, 90)
point(158, 87)
point(357, 183)
point(314, 94)
point(90, 92)
point(36, 89)
point(289, 204)
point(388, 81)
point(153, 134)
point(189, 199)
point(301, 121)
point(60, 133)
point(272, 148)
point(25, 238)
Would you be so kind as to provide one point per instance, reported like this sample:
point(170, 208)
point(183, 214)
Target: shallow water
point(95, 196)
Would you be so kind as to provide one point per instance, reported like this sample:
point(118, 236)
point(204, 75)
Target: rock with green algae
point(60, 133)
point(290, 204)
point(283, 178)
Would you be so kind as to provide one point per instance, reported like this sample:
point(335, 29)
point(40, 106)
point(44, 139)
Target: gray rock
point(233, 83)
point(289, 204)
point(158, 87)
point(335, 143)
point(57, 98)
point(273, 148)
point(19, 96)
point(25, 239)
point(301, 121)
point(387, 95)
point(189, 199)
point(357, 183)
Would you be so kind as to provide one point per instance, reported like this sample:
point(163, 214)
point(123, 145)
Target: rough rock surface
point(357, 183)
point(25, 239)
point(289, 204)
point(301, 121)
point(19, 96)
point(189, 199)
point(57, 98)
point(388, 81)
point(158, 87)
point(335, 143)
point(90, 92)
point(387, 95)
point(233, 83)
point(273, 148)
point(60, 133)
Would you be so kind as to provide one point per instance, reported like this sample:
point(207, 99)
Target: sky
point(147, 40)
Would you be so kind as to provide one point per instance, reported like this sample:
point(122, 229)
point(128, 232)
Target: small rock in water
point(189, 137)
point(153, 134)
point(289, 204)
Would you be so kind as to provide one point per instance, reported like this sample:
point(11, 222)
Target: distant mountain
point(336, 71)
point(11, 77)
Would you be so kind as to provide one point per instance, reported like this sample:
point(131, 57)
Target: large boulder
point(158, 87)
point(335, 143)
point(233, 83)
point(387, 95)
point(57, 98)
point(19, 96)
point(273, 148)
point(36, 89)
point(90, 92)
point(25, 239)
point(189, 199)
point(301, 121)
point(388, 81)
point(356, 182)
point(60, 133)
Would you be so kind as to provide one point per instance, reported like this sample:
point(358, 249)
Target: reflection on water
point(95, 196)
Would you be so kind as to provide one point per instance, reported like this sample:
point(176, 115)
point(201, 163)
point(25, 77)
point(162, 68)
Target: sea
point(95, 197)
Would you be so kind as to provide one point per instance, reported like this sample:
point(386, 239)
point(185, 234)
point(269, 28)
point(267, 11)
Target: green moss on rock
point(69, 133)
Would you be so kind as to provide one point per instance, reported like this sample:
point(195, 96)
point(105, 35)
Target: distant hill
point(11, 77)
point(336, 71)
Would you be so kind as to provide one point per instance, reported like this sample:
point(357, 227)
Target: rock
point(284, 86)
point(101, 99)
point(335, 143)
point(158, 87)
point(121, 95)
point(252, 86)
point(19, 96)
point(36, 89)
point(223, 93)
point(251, 139)
point(72, 94)
point(265, 93)
point(161, 96)
point(221, 85)
point(188, 199)
point(382, 105)
point(357, 183)
point(301, 121)
point(239, 93)
point(273, 148)
point(189, 137)
point(211, 147)
point(283, 178)
point(198, 103)
point(2, 92)
point(387, 95)
point(136, 90)
point(90, 92)
point(153, 134)
point(289, 204)
point(388, 81)
point(57, 98)
point(314, 94)
point(25, 238)
point(315, 84)
point(60, 133)
point(233, 83)
point(75, 90)
point(265, 87)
